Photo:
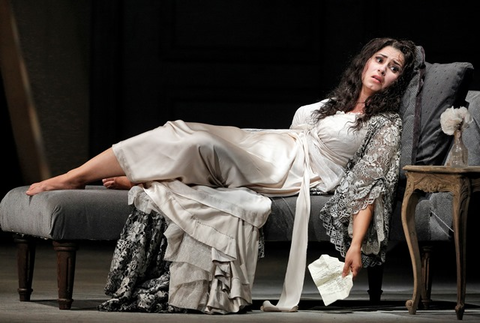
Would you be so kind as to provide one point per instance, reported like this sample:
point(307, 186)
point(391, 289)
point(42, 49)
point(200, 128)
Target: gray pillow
point(410, 112)
point(471, 135)
point(445, 85)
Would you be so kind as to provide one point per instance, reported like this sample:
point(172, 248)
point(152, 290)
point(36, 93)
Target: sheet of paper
point(326, 272)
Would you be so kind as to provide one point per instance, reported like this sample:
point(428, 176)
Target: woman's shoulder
point(304, 114)
point(386, 121)
point(309, 108)
point(393, 117)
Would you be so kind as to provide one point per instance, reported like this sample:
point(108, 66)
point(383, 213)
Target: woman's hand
point(353, 261)
point(353, 258)
point(117, 183)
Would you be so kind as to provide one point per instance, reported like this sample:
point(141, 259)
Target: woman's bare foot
point(60, 182)
point(117, 183)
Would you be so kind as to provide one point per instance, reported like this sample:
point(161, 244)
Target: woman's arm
point(303, 116)
point(369, 184)
point(353, 257)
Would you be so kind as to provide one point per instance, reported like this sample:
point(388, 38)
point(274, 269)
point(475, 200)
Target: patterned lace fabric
point(139, 276)
point(371, 177)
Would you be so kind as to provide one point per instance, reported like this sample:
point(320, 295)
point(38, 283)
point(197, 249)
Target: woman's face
point(382, 69)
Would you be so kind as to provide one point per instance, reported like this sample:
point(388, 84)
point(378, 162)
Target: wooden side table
point(461, 182)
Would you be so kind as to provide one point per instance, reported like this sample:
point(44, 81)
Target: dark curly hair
point(344, 96)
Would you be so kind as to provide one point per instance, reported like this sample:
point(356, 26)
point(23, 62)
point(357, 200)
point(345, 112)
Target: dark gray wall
point(55, 41)
point(248, 63)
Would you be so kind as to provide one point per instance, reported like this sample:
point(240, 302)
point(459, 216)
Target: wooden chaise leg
point(375, 280)
point(25, 263)
point(66, 256)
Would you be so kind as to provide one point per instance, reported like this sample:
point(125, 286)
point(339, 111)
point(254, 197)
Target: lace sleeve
point(371, 177)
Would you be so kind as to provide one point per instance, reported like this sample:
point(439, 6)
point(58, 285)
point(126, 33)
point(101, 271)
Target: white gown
point(213, 183)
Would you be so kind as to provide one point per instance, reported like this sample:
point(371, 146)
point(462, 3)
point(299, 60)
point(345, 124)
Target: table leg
point(461, 200)
point(410, 201)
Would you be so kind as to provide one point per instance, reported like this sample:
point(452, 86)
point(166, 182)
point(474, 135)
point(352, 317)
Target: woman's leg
point(101, 166)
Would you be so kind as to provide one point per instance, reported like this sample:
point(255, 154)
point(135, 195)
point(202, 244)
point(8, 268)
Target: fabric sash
point(297, 259)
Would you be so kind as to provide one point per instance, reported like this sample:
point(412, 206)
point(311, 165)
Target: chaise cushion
point(279, 226)
point(94, 213)
point(97, 213)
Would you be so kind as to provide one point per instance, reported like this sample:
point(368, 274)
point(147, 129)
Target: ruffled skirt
point(159, 268)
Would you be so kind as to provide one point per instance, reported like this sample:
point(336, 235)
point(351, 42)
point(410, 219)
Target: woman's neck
point(359, 107)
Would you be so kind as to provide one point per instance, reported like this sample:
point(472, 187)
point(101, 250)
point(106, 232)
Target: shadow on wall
point(12, 176)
